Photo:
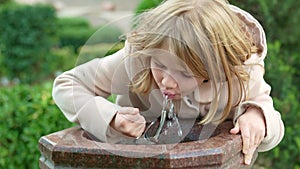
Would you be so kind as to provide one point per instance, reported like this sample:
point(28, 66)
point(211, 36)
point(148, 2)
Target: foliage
point(277, 67)
point(105, 34)
point(27, 113)
point(286, 100)
point(89, 52)
point(286, 154)
point(146, 4)
point(73, 32)
point(27, 34)
point(76, 32)
point(72, 22)
point(62, 59)
point(4, 1)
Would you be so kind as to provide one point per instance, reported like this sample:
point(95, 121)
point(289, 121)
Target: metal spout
point(168, 118)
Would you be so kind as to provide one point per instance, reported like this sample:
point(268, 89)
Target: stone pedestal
point(71, 148)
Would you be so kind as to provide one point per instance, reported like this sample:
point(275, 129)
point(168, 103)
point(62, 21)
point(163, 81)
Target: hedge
point(76, 32)
point(27, 113)
point(27, 35)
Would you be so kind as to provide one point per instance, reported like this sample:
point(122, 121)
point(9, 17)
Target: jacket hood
point(255, 29)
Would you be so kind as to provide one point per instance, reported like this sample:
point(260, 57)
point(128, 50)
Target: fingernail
point(247, 160)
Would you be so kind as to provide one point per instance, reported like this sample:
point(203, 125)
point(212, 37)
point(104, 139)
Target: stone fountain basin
point(191, 131)
point(71, 148)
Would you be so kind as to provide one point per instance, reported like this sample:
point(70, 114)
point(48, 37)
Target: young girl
point(206, 55)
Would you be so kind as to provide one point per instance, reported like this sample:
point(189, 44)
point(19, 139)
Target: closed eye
point(159, 65)
point(187, 74)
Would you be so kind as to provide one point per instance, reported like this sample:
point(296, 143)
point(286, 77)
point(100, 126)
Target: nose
point(168, 81)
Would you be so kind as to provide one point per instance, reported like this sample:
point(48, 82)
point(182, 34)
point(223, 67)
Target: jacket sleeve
point(81, 93)
point(259, 96)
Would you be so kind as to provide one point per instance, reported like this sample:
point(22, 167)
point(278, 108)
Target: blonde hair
point(207, 36)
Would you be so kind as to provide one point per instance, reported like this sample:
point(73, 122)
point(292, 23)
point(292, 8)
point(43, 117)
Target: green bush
point(72, 22)
point(146, 4)
point(105, 34)
point(2, 69)
point(277, 67)
point(27, 34)
point(73, 32)
point(286, 155)
point(62, 59)
point(89, 52)
point(76, 32)
point(4, 1)
point(27, 113)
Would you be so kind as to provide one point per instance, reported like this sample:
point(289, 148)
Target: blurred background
point(39, 39)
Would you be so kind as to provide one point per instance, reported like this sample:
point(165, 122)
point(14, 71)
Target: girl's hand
point(252, 127)
point(129, 121)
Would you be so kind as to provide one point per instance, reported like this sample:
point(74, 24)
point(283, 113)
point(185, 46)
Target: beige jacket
point(81, 93)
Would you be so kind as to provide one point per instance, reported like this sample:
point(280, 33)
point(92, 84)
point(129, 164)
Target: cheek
point(188, 85)
point(156, 74)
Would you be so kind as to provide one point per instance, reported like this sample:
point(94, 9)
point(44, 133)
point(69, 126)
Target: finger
point(136, 118)
point(236, 129)
point(252, 148)
point(131, 114)
point(128, 110)
point(140, 130)
point(248, 158)
point(141, 119)
point(258, 140)
point(137, 129)
point(127, 125)
point(246, 140)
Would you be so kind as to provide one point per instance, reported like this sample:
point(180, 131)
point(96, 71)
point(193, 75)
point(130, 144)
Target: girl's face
point(173, 77)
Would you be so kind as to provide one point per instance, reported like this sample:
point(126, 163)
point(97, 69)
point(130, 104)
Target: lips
point(170, 95)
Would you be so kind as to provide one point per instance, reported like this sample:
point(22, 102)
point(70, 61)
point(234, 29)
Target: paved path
point(98, 12)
